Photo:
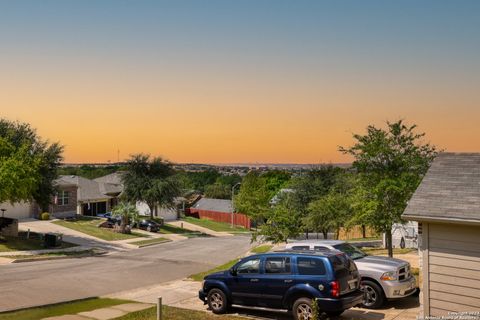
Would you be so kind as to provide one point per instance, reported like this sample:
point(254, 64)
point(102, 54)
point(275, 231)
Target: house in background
point(92, 197)
point(446, 206)
point(219, 210)
point(167, 214)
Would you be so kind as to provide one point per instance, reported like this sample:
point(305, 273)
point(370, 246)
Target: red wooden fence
point(239, 219)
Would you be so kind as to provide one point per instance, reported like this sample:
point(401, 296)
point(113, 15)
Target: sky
point(222, 81)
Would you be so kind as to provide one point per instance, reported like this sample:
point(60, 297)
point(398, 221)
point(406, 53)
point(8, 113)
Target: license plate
point(352, 284)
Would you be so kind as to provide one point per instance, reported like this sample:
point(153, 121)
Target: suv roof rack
point(323, 252)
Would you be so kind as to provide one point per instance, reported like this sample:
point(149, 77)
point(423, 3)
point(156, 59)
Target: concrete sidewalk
point(178, 293)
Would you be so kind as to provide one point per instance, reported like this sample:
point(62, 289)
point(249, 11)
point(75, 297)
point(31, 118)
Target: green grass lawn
point(365, 239)
point(262, 249)
point(61, 309)
point(20, 244)
point(214, 225)
point(90, 226)
point(171, 313)
point(199, 276)
point(149, 242)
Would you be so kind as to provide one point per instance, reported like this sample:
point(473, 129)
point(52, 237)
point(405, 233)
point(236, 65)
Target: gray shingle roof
point(449, 191)
point(88, 190)
point(218, 205)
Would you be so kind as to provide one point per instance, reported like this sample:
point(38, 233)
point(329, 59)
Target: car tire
point(217, 301)
point(334, 314)
point(302, 309)
point(373, 295)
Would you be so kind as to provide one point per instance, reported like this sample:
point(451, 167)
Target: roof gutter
point(440, 219)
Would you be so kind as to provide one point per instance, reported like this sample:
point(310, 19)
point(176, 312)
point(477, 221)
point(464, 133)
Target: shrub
point(45, 216)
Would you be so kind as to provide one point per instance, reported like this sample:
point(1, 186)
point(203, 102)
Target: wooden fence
point(356, 232)
point(239, 219)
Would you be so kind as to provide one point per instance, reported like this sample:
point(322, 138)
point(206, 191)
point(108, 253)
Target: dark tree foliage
point(48, 157)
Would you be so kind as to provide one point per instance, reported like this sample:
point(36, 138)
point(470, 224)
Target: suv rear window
point(301, 248)
point(310, 266)
point(342, 265)
point(276, 265)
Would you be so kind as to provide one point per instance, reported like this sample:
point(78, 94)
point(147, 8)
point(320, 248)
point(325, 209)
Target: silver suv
point(382, 277)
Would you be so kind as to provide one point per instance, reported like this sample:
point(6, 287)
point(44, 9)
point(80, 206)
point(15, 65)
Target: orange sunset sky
point(238, 81)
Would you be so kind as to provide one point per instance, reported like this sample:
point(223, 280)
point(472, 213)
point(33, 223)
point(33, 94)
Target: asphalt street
point(38, 283)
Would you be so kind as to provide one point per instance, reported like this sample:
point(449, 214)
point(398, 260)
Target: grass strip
point(150, 242)
point(172, 313)
point(199, 276)
point(60, 309)
point(262, 248)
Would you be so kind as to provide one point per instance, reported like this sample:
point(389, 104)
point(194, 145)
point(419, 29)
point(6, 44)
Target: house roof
point(210, 204)
point(450, 191)
point(113, 178)
point(88, 190)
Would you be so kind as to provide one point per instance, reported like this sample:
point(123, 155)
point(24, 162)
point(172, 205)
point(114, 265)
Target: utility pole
point(233, 194)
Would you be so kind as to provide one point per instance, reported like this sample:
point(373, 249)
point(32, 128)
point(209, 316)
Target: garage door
point(454, 268)
point(17, 211)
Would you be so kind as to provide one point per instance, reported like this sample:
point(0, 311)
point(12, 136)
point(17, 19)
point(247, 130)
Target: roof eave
point(424, 218)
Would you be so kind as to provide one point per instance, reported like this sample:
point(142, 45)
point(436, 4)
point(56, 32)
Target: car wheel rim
point(369, 296)
point(216, 301)
point(304, 312)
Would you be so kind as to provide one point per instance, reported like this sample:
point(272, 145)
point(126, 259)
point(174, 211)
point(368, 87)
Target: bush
point(45, 216)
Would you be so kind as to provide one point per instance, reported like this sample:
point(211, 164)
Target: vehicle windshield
point(352, 251)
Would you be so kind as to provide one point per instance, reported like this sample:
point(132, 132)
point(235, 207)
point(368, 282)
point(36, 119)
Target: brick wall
point(69, 209)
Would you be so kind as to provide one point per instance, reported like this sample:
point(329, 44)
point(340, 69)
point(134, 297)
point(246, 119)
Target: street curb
point(95, 254)
point(151, 244)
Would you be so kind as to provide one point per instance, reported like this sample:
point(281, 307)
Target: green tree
point(253, 198)
point(328, 213)
point(24, 139)
point(128, 214)
point(311, 186)
point(150, 181)
point(391, 163)
point(281, 224)
point(19, 174)
point(218, 191)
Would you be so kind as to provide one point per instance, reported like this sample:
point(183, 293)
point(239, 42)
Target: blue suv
point(290, 280)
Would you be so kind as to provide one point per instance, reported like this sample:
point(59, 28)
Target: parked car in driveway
point(149, 225)
point(290, 280)
point(382, 277)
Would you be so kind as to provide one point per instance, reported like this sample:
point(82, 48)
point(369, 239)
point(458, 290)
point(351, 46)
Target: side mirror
point(233, 272)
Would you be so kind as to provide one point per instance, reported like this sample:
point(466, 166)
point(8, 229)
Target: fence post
point(159, 308)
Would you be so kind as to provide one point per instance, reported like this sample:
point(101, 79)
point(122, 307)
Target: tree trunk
point(364, 231)
point(337, 234)
point(151, 207)
point(306, 234)
point(325, 234)
point(388, 242)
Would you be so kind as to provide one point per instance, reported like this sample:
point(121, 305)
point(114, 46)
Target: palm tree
point(150, 181)
point(127, 212)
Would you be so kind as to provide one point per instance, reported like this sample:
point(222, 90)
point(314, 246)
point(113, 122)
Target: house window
point(63, 197)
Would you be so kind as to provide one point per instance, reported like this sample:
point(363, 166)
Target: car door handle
point(253, 280)
point(287, 281)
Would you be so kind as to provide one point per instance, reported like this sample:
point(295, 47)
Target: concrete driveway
point(38, 283)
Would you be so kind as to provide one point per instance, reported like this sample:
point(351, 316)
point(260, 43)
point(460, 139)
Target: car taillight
point(335, 289)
